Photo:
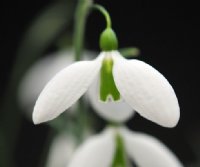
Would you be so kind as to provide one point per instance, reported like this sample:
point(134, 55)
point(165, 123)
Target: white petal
point(38, 75)
point(112, 111)
point(146, 90)
point(146, 150)
point(65, 89)
point(98, 151)
point(61, 151)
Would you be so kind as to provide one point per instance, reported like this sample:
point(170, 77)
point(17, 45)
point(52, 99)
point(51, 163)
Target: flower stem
point(105, 13)
point(81, 14)
point(108, 40)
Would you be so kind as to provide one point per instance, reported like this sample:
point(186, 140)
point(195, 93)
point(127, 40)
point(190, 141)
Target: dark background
point(167, 35)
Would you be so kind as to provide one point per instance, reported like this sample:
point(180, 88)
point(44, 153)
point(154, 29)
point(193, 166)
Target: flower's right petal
point(145, 150)
point(118, 111)
point(97, 151)
point(65, 89)
point(146, 90)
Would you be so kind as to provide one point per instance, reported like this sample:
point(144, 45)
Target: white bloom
point(139, 84)
point(38, 75)
point(142, 149)
point(43, 70)
point(61, 151)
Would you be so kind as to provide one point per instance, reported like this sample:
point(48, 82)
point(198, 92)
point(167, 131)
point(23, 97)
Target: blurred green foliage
point(42, 33)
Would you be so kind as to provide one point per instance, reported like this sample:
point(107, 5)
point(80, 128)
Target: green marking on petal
point(107, 84)
point(119, 159)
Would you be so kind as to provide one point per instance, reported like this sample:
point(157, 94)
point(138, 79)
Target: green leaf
point(37, 39)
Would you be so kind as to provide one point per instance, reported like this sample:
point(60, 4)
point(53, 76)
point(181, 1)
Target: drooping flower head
point(118, 80)
point(120, 147)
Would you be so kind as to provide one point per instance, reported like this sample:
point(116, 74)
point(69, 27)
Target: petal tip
point(36, 118)
point(176, 117)
point(172, 121)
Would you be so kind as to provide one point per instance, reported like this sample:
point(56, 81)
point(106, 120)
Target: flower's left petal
point(115, 111)
point(61, 151)
point(38, 75)
point(145, 150)
point(97, 151)
point(65, 89)
point(146, 90)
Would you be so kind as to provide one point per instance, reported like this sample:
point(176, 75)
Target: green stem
point(105, 13)
point(45, 151)
point(81, 14)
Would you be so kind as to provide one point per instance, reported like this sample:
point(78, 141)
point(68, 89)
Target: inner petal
point(119, 159)
point(108, 89)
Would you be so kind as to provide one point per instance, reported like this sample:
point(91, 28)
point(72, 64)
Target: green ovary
point(107, 84)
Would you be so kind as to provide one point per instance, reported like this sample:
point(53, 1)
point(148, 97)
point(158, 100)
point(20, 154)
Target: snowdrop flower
point(117, 146)
point(133, 81)
point(43, 70)
point(119, 80)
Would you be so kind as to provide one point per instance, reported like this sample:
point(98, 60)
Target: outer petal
point(65, 89)
point(61, 151)
point(146, 151)
point(146, 90)
point(113, 111)
point(38, 75)
point(98, 151)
